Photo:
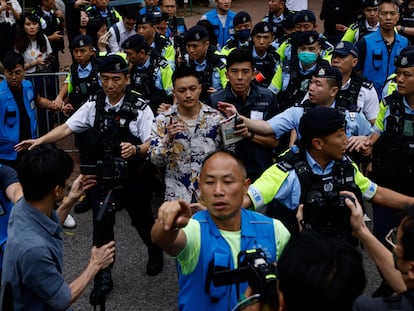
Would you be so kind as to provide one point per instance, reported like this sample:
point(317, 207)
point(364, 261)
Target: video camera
point(107, 170)
point(253, 268)
point(327, 213)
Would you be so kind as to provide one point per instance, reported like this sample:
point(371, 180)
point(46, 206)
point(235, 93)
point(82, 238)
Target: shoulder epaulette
point(354, 26)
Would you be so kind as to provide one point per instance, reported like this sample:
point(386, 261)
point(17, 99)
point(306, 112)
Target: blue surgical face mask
point(307, 58)
point(243, 35)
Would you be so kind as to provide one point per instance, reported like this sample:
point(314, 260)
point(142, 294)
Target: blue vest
point(378, 64)
point(5, 209)
point(196, 293)
point(10, 119)
point(223, 34)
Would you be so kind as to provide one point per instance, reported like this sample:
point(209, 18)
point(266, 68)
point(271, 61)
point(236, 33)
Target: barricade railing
point(47, 84)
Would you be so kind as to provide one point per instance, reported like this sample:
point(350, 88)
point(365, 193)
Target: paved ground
point(133, 289)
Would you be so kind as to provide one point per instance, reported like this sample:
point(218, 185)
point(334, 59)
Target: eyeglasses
point(391, 237)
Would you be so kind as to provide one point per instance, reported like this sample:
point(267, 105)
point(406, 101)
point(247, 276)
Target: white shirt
point(297, 5)
point(11, 20)
point(84, 118)
point(33, 52)
point(124, 34)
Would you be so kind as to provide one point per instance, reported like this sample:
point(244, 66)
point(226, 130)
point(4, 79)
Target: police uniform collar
point(235, 95)
point(371, 28)
point(117, 106)
point(255, 55)
point(346, 85)
point(316, 167)
point(306, 71)
point(203, 63)
point(87, 68)
point(146, 65)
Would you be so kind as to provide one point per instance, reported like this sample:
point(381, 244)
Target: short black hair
point(239, 55)
point(184, 71)
point(12, 59)
point(319, 273)
point(231, 154)
point(42, 169)
point(395, 2)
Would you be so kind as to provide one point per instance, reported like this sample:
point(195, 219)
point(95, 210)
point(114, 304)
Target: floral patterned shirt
point(183, 156)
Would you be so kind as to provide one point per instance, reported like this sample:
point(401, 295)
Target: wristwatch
point(137, 149)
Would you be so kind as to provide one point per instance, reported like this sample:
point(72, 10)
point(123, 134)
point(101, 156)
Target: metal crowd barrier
point(47, 84)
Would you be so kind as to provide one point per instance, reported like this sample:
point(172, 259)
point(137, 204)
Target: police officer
point(304, 20)
point(101, 10)
point(81, 82)
point(121, 122)
point(292, 77)
point(317, 172)
point(242, 23)
point(146, 28)
point(264, 54)
point(206, 60)
point(366, 25)
point(357, 93)
point(278, 12)
point(251, 101)
point(150, 74)
point(323, 88)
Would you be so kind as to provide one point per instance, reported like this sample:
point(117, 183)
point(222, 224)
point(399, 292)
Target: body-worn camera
point(253, 268)
point(327, 213)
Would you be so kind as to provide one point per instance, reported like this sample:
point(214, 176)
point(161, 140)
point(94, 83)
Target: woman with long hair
point(36, 50)
point(32, 44)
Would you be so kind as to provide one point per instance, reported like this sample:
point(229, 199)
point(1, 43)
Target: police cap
point(345, 48)
point(304, 16)
point(262, 27)
point(135, 42)
point(81, 41)
point(406, 58)
point(113, 63)
point(147, 18)
point(370, 3)
point(195, 33)
point(329, 72)
point(241, 18)
point(306, 37)
point(321, 121)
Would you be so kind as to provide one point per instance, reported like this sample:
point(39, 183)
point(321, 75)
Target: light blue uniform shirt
point(356, 123)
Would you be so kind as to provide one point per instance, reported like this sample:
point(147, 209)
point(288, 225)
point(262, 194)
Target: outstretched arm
point(54, 135)
point(167, 231)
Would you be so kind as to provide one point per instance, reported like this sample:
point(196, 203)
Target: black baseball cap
point(113, 63)
point(345, 48)
point(321, 121)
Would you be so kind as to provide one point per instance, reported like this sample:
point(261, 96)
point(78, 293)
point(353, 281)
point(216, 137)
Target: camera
point(253, 268)
point(108, 170)
point(327, 213)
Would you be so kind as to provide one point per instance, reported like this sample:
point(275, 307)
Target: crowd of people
point(265, 141)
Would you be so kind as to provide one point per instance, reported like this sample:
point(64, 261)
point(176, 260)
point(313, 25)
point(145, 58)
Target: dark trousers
point(135, 197)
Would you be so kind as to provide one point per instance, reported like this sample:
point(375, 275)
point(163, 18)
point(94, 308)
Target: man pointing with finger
point(213, 238)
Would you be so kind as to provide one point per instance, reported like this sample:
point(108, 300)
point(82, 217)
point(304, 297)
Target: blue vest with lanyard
point(9, 114)
point(197, 291)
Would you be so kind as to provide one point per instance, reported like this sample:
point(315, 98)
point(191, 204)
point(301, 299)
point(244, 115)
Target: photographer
point(211, 239)
point(121, 123)
point(33, 258)
point(317, 173)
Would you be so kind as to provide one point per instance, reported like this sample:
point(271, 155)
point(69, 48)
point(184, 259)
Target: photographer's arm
point(167, 232)
point(100, 258)
point(79, 185)
point(378, 252)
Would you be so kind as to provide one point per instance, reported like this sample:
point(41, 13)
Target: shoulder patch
point(368, 84)
point(354, 26)
point(284, 166)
